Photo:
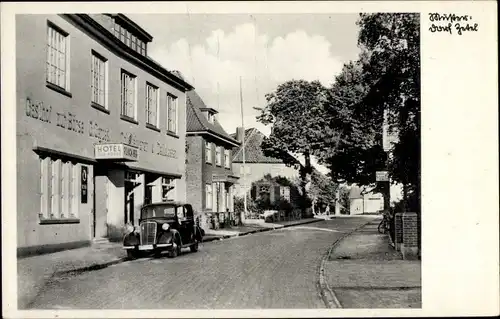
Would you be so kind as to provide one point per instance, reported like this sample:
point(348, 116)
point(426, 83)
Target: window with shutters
point(57, 72)
point(58, 189)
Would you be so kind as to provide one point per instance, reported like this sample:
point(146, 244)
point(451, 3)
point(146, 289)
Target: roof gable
point(197, 122)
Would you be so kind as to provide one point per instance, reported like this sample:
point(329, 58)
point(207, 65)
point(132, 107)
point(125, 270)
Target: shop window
point(208, 196)
point(167, 187)
point(58, 189)
point(57, 56)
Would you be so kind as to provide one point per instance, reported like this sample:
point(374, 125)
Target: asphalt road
point(274, 269)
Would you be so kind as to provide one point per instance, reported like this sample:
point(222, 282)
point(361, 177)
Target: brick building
point(100, 129)
point(209, 171)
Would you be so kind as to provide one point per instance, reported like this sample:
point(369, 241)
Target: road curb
point(326, 292)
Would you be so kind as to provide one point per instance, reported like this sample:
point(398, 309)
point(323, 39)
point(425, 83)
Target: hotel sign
point(116, 151)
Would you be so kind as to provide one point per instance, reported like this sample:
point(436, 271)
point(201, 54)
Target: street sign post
point(382, 176)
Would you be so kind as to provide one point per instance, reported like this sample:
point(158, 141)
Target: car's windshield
point(158, 211)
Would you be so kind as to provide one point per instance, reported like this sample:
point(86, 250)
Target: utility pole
point(243, 150)
point(383, 179)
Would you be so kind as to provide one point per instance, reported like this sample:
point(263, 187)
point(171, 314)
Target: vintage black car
point(164, 226)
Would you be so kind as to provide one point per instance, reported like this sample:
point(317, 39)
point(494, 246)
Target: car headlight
point(130, 228)
point(165, 226)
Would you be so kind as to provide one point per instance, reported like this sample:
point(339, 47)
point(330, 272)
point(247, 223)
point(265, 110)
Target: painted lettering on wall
point(163, 150)
point(38, 111)
point(102, 134)
point(131, 139)
point(69, 121)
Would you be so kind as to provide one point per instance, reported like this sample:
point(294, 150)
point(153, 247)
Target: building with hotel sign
point(100, 129)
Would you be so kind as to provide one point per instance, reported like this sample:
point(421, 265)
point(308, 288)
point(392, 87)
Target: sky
point(215, 51)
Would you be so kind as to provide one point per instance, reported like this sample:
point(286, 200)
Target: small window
point(57, 57)
point(128, 89)
point(168, 186)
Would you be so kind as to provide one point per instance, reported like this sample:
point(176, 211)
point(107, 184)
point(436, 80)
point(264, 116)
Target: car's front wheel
point(132, 254)
point(194, 247)
point(175, 251)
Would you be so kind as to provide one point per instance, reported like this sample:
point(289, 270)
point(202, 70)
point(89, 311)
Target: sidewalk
point(34, 272)
point(364, 271)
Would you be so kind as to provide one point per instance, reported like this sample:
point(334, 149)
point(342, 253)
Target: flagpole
point(243, 149)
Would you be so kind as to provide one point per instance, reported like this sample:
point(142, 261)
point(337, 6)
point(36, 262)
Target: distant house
point(209, 172)
point(257, 165)
point(360, 203)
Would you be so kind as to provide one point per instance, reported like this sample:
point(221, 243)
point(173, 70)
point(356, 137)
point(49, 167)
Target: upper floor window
point(218, 155)
point(171, 113)
point(208, 152)
point(227, 163)
point(98, 76)
point(57, 56)
point(152, 105)
point(128, 95)
point(210, 117)
point(130, 39)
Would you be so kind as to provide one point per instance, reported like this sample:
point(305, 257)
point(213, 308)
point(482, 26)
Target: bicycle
point(383, 227)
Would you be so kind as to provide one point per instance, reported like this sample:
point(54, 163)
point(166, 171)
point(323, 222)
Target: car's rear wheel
point(194, 247)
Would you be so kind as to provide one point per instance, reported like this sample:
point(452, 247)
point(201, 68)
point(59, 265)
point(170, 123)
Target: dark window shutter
point(253, 192)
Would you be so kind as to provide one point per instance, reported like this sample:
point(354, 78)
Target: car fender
point(199, 233)
point(176, 234)
point(131, 239)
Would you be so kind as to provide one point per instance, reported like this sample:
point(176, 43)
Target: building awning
point(120, 152)
point(225, 179)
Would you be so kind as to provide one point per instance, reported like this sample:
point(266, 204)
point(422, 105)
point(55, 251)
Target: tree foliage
point(385, 77)
point(295, 111)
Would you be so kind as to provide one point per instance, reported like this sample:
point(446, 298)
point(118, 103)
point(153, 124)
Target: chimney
point(240, 133)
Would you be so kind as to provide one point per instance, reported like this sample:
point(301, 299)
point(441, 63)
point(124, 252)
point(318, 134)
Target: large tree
point(385, 78)
point(295, 111)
